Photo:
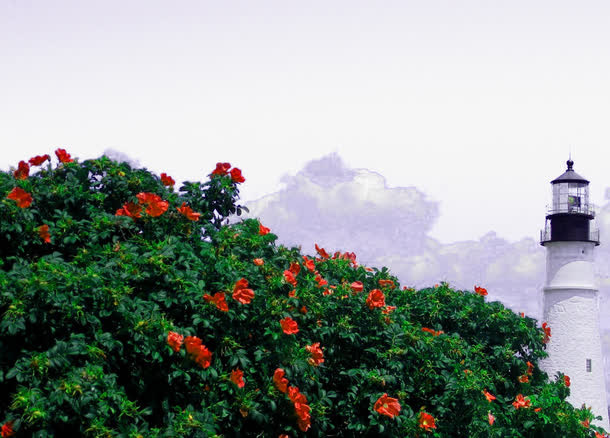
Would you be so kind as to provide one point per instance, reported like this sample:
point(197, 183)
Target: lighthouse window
point(588, 365)
point(573, 202)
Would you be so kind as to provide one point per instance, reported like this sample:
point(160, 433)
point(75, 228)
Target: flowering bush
point(130, 308)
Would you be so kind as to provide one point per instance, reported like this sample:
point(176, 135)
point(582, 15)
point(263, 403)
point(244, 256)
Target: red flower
point(295, 268)
point(243, 296)
point(491, 418)
point(198, 352)
point(219, 300)
point(309, 264)
point(167, 180)
point(237, 377)
point(426, 421)
point(155, 206)
point(281, 383)
point(63, 156)
point(489, 396)
point(23, 198)
point(289, 326)
point(303, 310)
point(263, 230)
point(221, 169)
point(530, 368)
point(390, 283)
point(39, 159)
point(43, 232)
point(321, 282)
point(585, 423)
point(289, 277)
point(547, 332)
point(130, 209)
point(433, 332)
point(357, 286)
point(236, 176)
point(521, 402)
point(388, 309)
point(242, 283)
point(7, 429)
point(174, 340)
point(375, 299)
point(480, 291)
point(317, 357)
point(566, 381)
point(387, 406)
point(241, 293)
point(258, 262)
point(322, 252)
point(188, 212)
point(524, 378)
point(23, 170)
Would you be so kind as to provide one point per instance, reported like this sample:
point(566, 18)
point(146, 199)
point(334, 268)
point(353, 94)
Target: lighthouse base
point(575, 347)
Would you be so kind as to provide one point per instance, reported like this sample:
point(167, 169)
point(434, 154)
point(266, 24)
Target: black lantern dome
point(570, 215)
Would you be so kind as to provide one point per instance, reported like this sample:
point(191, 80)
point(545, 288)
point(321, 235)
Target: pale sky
point(475, 103)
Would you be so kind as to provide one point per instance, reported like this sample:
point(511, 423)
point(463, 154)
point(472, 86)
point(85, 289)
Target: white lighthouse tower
point(571, 296)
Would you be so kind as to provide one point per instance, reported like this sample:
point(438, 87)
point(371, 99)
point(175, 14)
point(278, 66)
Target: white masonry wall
point(571, 309)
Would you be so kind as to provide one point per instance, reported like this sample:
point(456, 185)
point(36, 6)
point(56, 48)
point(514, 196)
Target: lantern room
point(570, 216)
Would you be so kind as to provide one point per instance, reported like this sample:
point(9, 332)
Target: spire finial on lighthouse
point(570, 163)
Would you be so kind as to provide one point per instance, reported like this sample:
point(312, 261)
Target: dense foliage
point(129, 308)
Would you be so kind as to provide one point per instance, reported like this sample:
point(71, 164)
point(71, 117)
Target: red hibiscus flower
point(524, 378)
point(322, 252)
point(521, 402)
point(219, 300)
point(491, 419)
point(547, 332)
point(357, 286)
point(321, 282)
point(480, 291)
point(63, 156)
point(433, 332)
point(426, 421)
point(295, 268)
point(389, 283)
point(281, 383)
point(221, 169)
point(39, 159)
point(236, 176)
point(586, 423)
point(241, 293)
point(388, 309)
point(155, 206)
point(130, 209)
point(167, 180)
point(489, 396)
point(237, 377)
point(262, 230)
point(174, 340)
point(258, 262)
point(23, 170)
point(289, 277)
point(387, 406)
point(243, 296)
point(198, 352)
point(530, 368)
point(23, 198)
point(43, 232)
point(289, 326)
point(317, 357)
point(303, 310)
point(566, 381)
point(188, 212)
point(309, 264)
point(7, 429)
point(375, 299)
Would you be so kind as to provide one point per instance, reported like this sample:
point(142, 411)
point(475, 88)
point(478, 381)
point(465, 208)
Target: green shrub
point(174, 323)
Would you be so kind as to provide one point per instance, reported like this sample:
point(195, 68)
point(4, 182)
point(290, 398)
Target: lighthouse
point(570, 297)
